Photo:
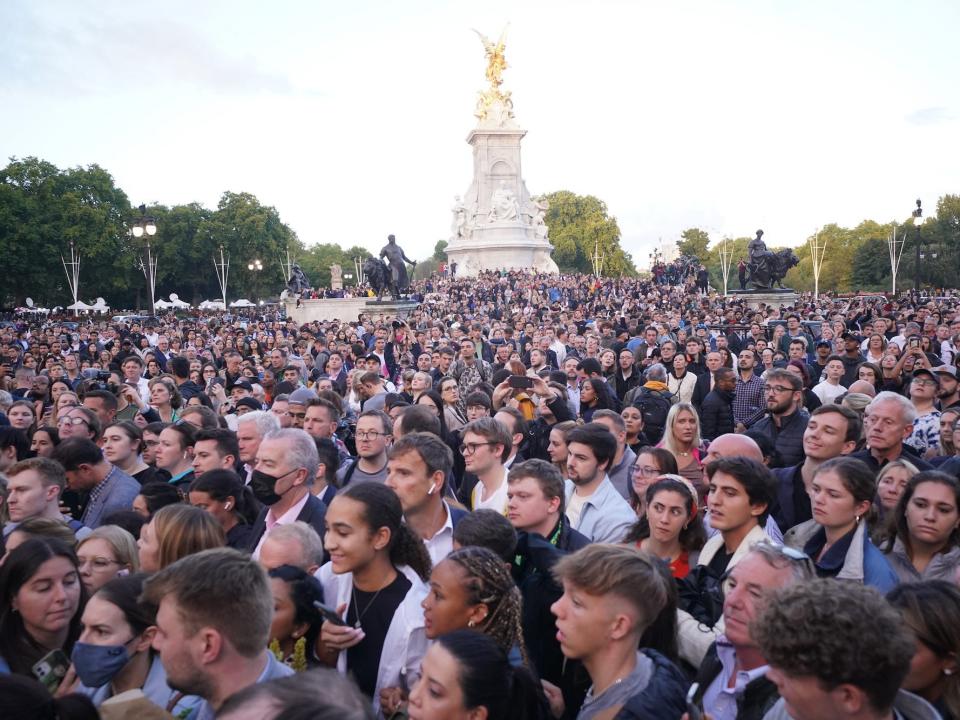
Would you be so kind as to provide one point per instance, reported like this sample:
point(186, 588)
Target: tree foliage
point(694, 241)
point(579, 226)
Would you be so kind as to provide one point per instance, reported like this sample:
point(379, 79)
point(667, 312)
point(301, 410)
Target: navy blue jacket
point(664, 697)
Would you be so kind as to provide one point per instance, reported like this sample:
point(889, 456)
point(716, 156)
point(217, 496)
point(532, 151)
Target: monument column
point(498, 225)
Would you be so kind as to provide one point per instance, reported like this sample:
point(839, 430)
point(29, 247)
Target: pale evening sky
point(351, 118)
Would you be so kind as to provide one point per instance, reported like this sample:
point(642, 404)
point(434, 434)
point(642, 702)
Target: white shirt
point(497, 501)
point(441, 544)
point(827, 392)
point(718, 699)
point(288, 518)
point(575, 508)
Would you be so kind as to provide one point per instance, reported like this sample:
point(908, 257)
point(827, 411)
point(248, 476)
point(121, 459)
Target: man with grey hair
point(732, 676)
point(295, 544)
point(283, 474)
point(251, 429)
point(888, 421)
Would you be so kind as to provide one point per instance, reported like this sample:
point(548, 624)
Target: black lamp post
point(917, 221)
point(146, 227)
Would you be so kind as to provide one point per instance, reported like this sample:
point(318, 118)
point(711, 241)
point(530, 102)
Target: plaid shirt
point(748, 403)
point(99, 490)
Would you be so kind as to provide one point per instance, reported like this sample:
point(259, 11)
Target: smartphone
point(521, 382)
point(694, 711)
point(50, 669)
point(914, 342)
point(329, 614)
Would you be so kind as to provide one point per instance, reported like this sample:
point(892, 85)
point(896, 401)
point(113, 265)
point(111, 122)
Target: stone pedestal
point(498, 225)
point(346, 309)
point(776, 298)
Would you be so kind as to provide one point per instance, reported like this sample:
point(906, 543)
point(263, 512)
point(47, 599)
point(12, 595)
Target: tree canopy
point(580, 225)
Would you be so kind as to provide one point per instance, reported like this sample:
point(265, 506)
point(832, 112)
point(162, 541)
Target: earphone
point(432, 488)
point(226, 506)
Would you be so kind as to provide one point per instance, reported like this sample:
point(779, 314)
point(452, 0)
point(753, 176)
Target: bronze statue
point(298, 281)
point(396, 259)
point(767, 268)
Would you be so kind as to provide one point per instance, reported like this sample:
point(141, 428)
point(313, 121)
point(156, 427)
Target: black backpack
point(654, 405)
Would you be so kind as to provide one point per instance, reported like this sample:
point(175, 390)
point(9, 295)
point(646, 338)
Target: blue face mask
point(96, 665)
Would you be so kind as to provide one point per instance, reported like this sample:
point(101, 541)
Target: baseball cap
point(241, 383)
point(929, 373)
point(301, 396)
point(945, 370)
point(823, 343)
point(249, 402)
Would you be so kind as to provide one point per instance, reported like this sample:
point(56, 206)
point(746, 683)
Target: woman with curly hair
point(473, 588)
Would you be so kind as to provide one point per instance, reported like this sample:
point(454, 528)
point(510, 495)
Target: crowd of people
point(534, 497)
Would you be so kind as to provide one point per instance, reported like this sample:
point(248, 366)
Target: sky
point(351, 118)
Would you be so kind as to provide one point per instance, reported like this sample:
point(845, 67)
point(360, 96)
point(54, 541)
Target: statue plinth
point(782, 297)
point(346, 309)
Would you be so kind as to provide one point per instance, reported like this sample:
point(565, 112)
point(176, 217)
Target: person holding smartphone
point(41, 602)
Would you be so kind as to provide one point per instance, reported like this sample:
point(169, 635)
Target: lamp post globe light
point(146, 227)
point(255, 267)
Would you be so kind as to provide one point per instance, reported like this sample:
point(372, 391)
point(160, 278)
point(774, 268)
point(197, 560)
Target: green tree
point(694, 242)
point(579, 226)
point(440, 251)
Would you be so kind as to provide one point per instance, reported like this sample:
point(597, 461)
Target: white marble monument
point(497, 224)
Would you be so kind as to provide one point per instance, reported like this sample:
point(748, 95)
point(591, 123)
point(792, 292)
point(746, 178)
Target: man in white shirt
point(486, 446)
point(416, 470)
point(830, 389)
point(594, 507)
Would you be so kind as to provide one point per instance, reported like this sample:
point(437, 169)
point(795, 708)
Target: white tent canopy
point(100, 305)
point(162, 304)
point(212, 305)
point(79, 305)
point(242, 302)
point(176, 302)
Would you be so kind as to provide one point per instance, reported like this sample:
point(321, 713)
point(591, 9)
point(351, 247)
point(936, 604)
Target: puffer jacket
point(943, 566)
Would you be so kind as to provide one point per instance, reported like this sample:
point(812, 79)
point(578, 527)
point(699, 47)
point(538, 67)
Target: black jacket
point(792, 505)
point(701, 390)
point(313, 514)
point(757, 698)
point(716, 414)
point(664, 697)
point(788, 438)
point(538, 431)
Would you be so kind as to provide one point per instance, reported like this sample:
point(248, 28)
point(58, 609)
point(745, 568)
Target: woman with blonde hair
point(165, 398)
point(106, 553)
point(557, 445)
point(891, 482)
point(681, 437)
point(174, 532)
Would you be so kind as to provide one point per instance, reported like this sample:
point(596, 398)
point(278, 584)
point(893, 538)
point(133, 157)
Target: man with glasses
point(374, 433)
point(925, 437)
point(786, 420)
point(486, 445)
point(732, 676)
point(79, 422)
point(888, 420)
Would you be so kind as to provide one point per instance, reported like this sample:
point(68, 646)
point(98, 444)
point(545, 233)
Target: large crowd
point(533, 497)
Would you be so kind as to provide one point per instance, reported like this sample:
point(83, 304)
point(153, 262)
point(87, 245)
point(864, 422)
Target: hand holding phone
point(520, 382)
point(694, 710)
point(51, 669)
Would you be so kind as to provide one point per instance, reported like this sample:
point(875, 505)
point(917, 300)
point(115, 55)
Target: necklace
point(356, 605)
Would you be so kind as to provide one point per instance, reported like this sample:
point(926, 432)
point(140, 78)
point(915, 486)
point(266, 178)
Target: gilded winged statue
point(496, 62)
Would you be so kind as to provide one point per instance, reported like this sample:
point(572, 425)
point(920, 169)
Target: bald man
point(863, 387)
point(733, 445)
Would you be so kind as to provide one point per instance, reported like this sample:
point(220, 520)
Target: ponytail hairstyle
point(124, 593)
point(487, 581)
point(382, 509)
point(223, 484)
point(488, 680)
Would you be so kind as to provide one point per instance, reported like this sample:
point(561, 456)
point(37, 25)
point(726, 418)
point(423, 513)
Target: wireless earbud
point(432, 488)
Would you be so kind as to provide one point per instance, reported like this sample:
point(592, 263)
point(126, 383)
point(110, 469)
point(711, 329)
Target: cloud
point(104, 54)
point(930, 116)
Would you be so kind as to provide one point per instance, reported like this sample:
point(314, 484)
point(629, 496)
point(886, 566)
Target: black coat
point(757, 698)
point(701, 389)
point(313, 514)
point(664, 697)
point(716, 414)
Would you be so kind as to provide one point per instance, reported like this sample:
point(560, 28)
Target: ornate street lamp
point(146, 227)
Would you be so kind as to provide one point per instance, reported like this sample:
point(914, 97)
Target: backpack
point(654, 405)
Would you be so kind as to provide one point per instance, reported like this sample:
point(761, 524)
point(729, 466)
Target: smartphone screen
point(50, 669)
point(521, 382)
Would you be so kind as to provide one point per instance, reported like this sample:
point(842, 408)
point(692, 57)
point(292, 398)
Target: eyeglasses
point(921, 381)
point(370, 435)
point(71, 421)
point(647, 471)
point(98, 563)
point(768, 389)
point(471, 448)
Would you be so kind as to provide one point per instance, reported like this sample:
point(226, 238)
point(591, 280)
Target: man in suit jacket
point(705, 382)
point(286, 465)
point(110, 489)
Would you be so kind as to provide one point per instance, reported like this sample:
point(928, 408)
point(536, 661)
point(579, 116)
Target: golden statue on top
point(496, 62)
point(492, 104)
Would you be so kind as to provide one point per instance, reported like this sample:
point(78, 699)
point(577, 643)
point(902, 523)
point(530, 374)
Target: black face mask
point(263, 486)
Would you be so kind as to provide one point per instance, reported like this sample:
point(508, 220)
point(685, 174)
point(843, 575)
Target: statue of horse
point(380, 278)
point(772, 269)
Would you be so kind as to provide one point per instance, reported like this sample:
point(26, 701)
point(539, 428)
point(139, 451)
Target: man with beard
point(748, 401)
point(213, 624)
point(786, 420)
